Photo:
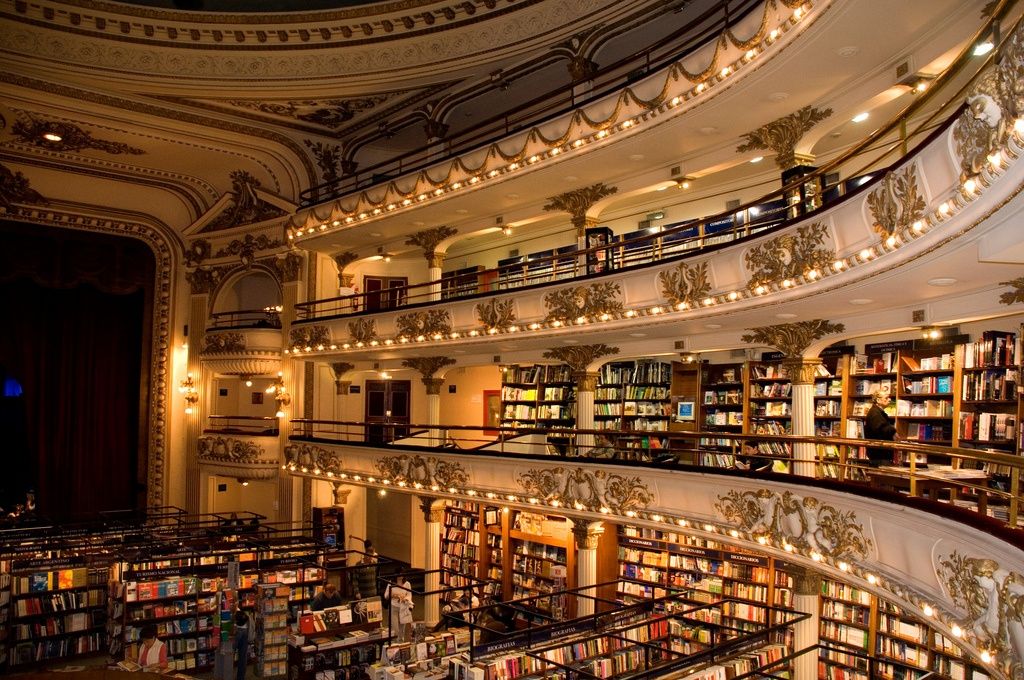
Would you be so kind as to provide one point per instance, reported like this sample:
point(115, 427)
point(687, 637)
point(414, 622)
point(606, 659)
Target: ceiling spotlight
point(52, 137)
point(757, 159)
point(506, 230)
point(984, 47)
point(860, 117)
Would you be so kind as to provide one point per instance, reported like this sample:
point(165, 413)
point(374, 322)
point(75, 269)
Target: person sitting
point(454, 611)
point(152, 652)
point(328, 597)
point(750, 458)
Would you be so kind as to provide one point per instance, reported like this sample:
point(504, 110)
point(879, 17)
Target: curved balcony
point(242, 456)
point(244, 348)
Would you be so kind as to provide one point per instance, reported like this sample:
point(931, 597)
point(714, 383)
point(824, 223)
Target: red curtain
point(76, 343)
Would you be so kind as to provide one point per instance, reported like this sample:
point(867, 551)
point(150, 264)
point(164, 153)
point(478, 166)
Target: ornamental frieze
point(326, 112)
point(789, 256)
point(593, 301)
point(14, 188)
point(579, 357)
point(426, 323)
point(496, 313)
point(783, 134)
point(993, 598)
point(204, 280)
point(792, 338)
point(426, 471)
point(312, 458)
point(896, 203)
point(65, 136)
point(584, 489)
point(309, 336)
point(223, 343)
point(247, 247)
point(230, 450)
point(801, 521)
point(685, 285)
point(363, 330)
point(246, 205)
point(288, 267)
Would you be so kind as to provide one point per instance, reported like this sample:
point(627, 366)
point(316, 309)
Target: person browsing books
point(878, 425)
point(328, 597)
point(749, 457)
point(152, 652)
point(242, 632)
point(400, 595)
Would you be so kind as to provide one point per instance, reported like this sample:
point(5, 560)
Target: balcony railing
point(257, 426)
point(268, 317)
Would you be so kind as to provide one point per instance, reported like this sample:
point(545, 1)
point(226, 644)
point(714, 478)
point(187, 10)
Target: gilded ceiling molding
point(685, 286)
point(789, 256)
point(993, 105)
point(246, 206)
point(896, 204)
point(328, 158)
point(306, 337)
point(579, 357)
point(223, 343)
point(308, 457)
point(363, 330)
point(30, 129)
point(426, 472)
point(583, 302)
point(1014, 296)
point(792, 339)
point(578, 202)
point(584, 489)
point(783, 134)
point(197, 251)
point(428, 240)
point(993, 598)
point(496, 313)
point(801, 521)
point(426, 323)
point(428, 366)
point(14, 188)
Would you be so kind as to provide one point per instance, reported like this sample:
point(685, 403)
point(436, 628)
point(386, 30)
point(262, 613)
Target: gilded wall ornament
point(30, 129)
point(783, 134)
point(330, 113)
point(363, 330)
point(287, 267)
point(343, 260)
point(496, 313)
point(230, 450)
point(328, 158)
point(579, 357)
point(428, 240)
point(427, 471)
point(14, 188)
point(312, 458)
point(789, 255)
point(685, 285)
point(584, 489)
point(792, 338)
point(427, 323)
point(309, 336)
point(569, 304)
point(196, 252)
point(204, 280)
point(246, 248)
point(993, 598)
point(804, 522)
point(579, 201)
point(246, 205)
point(1014, 296)
point(221, 343)
point(896, 204)
point(428, 366)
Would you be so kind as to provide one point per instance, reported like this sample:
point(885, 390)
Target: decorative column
point(577, 203)
point(806, 591)
point(793, 339)
point(427, 366)
point(587, 535)
point(433, 515)
point(289, 269)
point(579, 358)
point(429, 240)
point(341, 387)
point(346, 281)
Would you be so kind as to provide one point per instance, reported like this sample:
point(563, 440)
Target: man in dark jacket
point(878, 425)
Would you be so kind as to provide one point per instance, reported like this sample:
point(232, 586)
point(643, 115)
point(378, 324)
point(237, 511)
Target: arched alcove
point(254, 289)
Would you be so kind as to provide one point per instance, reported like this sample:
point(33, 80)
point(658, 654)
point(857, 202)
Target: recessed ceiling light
point(848, 51)
point(860, 117)
point(636, 157)
point(757, 159)
point(638, 335)
point(861, 301)
point(713, 326)
point(661, 188)
point(52, 137)
point(778, 96)
point(942, 281)
point(785, 315)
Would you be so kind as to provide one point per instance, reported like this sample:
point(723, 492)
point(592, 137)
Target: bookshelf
point(722, 406)
point(635, 395)
point(542, 559)
point(770, 406)
point(461, 282)
point(271, 629)
point(460, 544)
point(539, 396)
point(493, 566)
point(988, 410)
point(5, 609)
point(831, 386)
point(341, 641)
point(924, 396)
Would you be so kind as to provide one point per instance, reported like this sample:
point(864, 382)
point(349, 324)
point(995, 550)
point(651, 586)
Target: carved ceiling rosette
point(585, 489)
point(310, 458)
point(783, 134)
point(685, 285)
point(428, 240)
point(802, 521)
point(792, 338)
point(578, 202)
point(14, 188)
point(427, 323)
point(236, 458)
point(223, 343)
point(496, 313)
point(1014, 296)
point(579, 357)
point(309, 336)
point(427, 366)
point(789, 255)
point(426, 471)
point(896, 203)
point(593, 301)
point(363, 330)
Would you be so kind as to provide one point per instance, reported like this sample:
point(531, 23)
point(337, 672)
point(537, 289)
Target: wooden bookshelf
point(635, 395)
point(460, 544)
point(722, 409)
point(539, 396)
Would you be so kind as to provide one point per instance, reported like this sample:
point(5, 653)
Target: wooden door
point(384, 292)
point(388, 406)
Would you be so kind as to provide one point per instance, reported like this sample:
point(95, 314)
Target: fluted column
point(587, 535)
point(433, 386)
point(433, 515)
point(430, 241)
point(434, 263)
point(807, 588)
point(578, 203)
point(801, 376)
point(586, 384)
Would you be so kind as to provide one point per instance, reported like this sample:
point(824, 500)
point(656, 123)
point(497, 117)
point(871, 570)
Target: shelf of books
point(924, 397)
point(721, 411)
point(988, 409)
point(770, 409)
point(543, 559)
point(846, 615)
point(57, 609)
point(460, 544)
point(539, 396)
point(493, 565)
point(345, 642)
point(271, 628)
point(830, 388)
point(635, 395)
point(5, 609)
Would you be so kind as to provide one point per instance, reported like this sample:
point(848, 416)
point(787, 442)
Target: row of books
point(27, 652)
point(996, 348)
point(988, 426)
point(70, 623)
point(638, 373)
point(997, 384)
point(774, 389)
point(541, 373)
point(58, 602)
point(61, 579)
point(929, 384)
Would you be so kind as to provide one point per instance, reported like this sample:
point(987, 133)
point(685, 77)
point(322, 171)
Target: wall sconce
point(280, 393)
point(689, 357)
point(188, 388)
point(243, 482)
point(246, 379)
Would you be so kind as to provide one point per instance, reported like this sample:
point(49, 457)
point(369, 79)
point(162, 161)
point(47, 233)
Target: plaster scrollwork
point(328, 158)
point(34, 130)
point(429, 239)
point(311, 457)
point(579, 201)
point(14, 188)
point(204, 280)
point(584, 489)
point(783, 134)
point(287, 267)
point(789, 256)
point(427, 471)
point(309, 336)
point(1014, 296)
point(363, 330)
point(427, 323)
point(802, 521)
point(247, 247)
point(326, 112)
point(223, 343)
point(230, 450)
point(685, 285)
point(569, 304)
point(197, 251)
point(896, 203)
point(792, 338)
point(496, 313)
point(428, 366)
point(246, 205)
point(579, 357)
point(993, 598)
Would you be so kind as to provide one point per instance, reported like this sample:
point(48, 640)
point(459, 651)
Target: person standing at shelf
point(152, 651)
point(878, 425)
point(241, 645)
point(365, 576)
point(328, 597)
point(750, 457)
point(400, 595)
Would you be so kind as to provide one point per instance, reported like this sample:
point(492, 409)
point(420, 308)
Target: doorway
point(384, 292)
point(387, 410)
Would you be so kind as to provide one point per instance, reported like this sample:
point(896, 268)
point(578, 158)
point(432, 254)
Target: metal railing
point(257, 426)
point(268, 317)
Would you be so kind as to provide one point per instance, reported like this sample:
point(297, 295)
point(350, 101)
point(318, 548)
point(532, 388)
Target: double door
point(387, 410)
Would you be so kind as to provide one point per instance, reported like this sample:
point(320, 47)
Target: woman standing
point(400, 595)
